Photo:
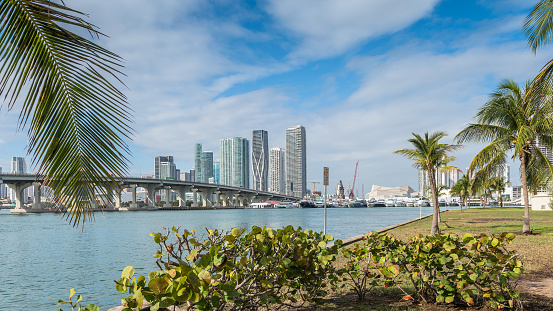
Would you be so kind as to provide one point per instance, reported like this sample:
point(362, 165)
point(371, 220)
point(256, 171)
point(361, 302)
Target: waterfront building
point(192, 174)
point(381, 192)
point(198, 162)
point(277, 170)
point(183, 176)
point(177, 174)
point(157, 165)
point(424, 182)
point(206, 164)
point(260, 160)
point(216, 172)
point(504, 171)
point(235, 162)
point(296, 164)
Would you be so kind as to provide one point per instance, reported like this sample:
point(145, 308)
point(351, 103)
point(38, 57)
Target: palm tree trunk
point(435, 207)
point(500, 199)
point(526, 226)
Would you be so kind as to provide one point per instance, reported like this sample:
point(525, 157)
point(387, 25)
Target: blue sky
point(360, 75)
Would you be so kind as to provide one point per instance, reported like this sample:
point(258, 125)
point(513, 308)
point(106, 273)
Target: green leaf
point(128, 272)
point(158, 285)
point(91, 307)
point(236, 232)
point(72, 292)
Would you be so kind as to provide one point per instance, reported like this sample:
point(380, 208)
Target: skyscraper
point(260, 159)
point(157, 166)
point(206, 164)
point(296, 165)
point(198, 162)
point(235, 162)
point(424, 182)
point(277, 171)
point(18, 166)
point(216, 172)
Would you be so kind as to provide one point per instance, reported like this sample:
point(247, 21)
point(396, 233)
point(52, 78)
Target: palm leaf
point(77, 119)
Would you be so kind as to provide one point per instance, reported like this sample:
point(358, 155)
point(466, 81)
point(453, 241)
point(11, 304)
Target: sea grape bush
point(236, 270)
point(76, 306)
point(445, 268)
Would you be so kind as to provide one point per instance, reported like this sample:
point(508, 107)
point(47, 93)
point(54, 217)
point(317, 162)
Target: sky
point(359, 75)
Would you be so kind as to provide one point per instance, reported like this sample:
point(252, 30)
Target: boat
point(380, 203)
point(390, 203)
point(307, 204)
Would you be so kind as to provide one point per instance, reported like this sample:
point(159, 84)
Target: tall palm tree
point(77, 119)
point(430, 155)
point(508, 122)
point(462, 188)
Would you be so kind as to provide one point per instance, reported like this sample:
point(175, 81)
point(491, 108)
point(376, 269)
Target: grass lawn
point(535, 250)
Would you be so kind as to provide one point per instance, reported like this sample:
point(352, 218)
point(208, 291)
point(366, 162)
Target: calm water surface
point(42, 256)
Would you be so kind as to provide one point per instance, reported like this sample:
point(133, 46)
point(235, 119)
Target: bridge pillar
point(37, 204)
point(167, 197)
point(218, 198)
point(151, 189)
point(206, 196)
point(230, 196)
point(181, 191)
point(134, 205)
point(195, 197)
point(248, 198)
point(19, 199)
point(117, 198)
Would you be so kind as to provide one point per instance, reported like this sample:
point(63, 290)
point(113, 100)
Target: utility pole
point(325, 182)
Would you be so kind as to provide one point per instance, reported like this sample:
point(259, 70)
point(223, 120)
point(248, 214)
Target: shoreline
point(358, 238)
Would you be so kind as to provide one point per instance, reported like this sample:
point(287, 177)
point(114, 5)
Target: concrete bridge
point(224, 195)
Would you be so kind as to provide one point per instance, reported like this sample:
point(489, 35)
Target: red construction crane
point(353, 186)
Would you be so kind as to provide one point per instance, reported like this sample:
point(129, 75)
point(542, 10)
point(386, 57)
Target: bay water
point(42, 256)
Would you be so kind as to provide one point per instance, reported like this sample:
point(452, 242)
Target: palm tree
point(509, 123)
point(429, 155)
point(538, 27)
point(462, 188)
point(77, 119)
point(498, 184)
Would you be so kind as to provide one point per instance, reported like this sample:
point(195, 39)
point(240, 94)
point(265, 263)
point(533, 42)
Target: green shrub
point(238, 269)
point(444, 269)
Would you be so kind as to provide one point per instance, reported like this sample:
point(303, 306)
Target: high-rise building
point(424, 182)
point(198, 162)
point(277, 170)
point(296, 165)
point(18, 165)
point(216, 172)
point(206, 164)
point(504, 171)
point(260, 160)
point(157, 165)
point(235, 162)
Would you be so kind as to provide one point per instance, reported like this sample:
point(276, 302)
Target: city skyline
point(360, 76)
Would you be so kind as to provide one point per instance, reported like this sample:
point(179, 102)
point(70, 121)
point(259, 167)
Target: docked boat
point(307, 204)
point(380, 203)
point(390, 203)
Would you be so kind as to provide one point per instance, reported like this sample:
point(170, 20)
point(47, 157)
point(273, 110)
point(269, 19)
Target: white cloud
point(328, 28)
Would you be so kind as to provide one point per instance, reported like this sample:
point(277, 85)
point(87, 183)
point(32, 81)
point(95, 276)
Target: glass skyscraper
point(235, 162)
point(277, 171)
point(260, 160)
point(296, 165)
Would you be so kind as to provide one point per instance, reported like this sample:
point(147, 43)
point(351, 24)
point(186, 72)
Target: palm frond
point(538, 24)
point(78, 120)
